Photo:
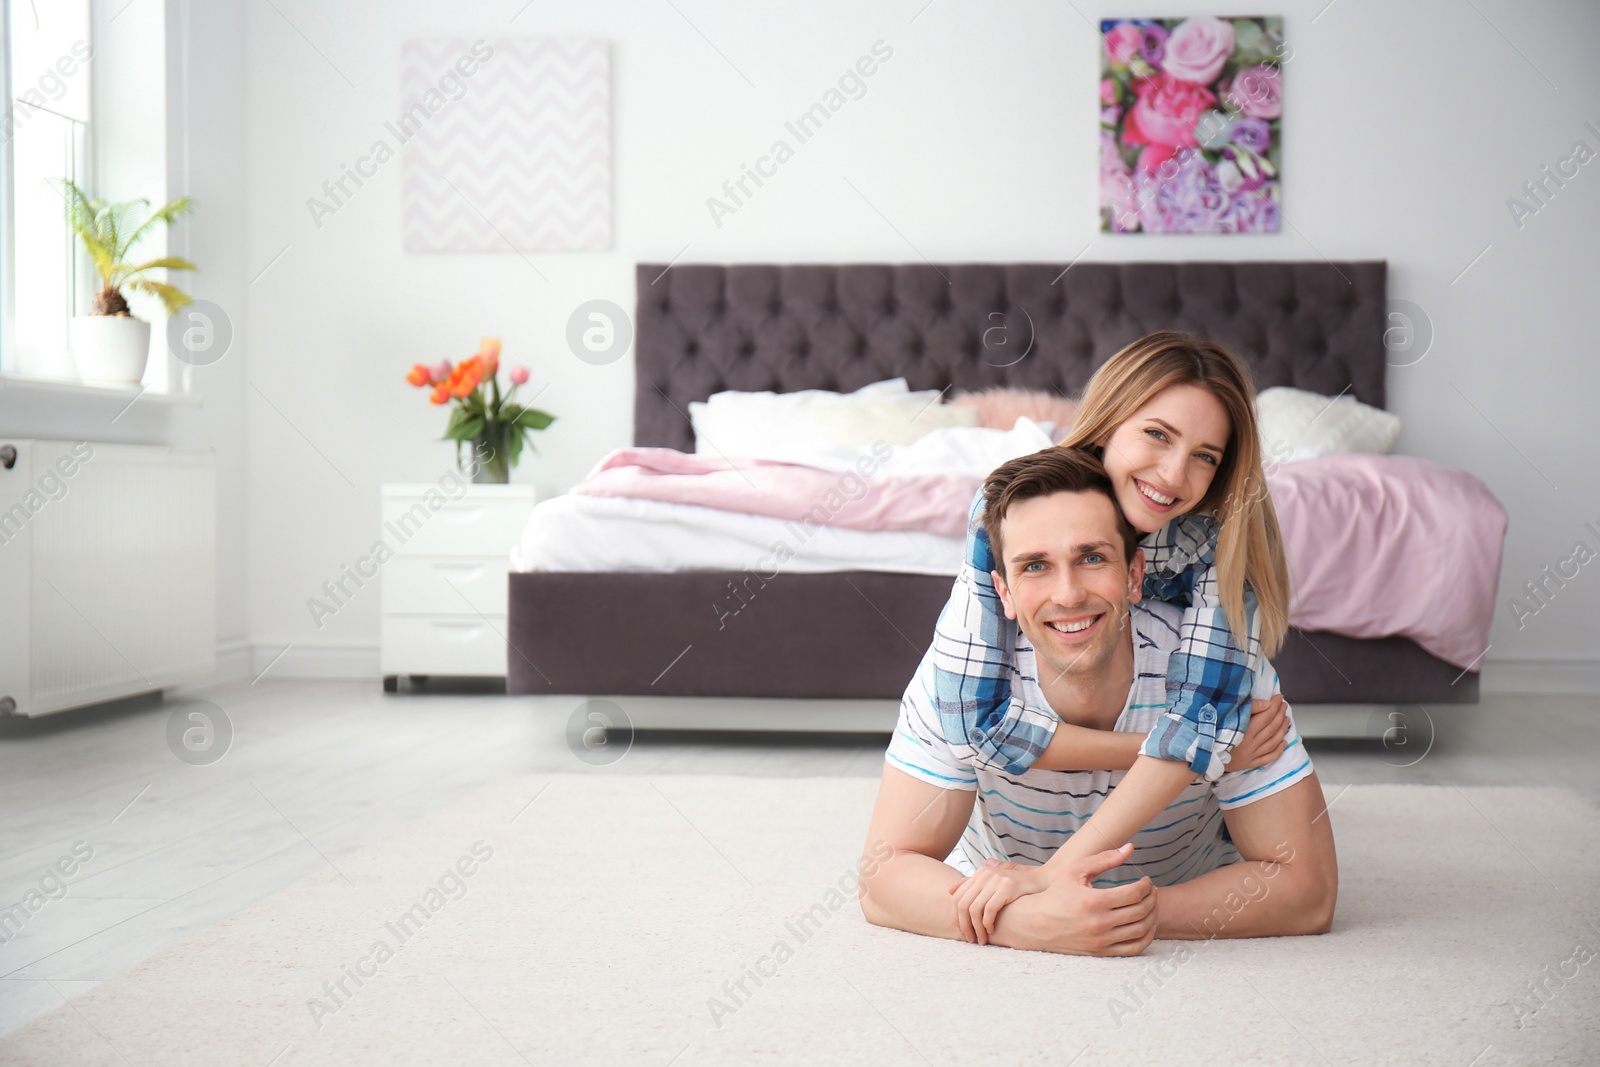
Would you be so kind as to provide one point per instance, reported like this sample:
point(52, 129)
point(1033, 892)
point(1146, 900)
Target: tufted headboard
point(701, 329)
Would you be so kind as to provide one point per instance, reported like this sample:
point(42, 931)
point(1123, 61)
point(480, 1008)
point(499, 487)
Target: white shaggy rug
point(612, 919)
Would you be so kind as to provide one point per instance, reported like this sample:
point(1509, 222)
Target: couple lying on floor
point(1094, 752)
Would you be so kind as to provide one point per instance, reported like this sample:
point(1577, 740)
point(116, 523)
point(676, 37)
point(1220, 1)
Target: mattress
point(573, 532)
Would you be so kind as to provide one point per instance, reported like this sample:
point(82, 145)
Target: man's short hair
point(1050, 470)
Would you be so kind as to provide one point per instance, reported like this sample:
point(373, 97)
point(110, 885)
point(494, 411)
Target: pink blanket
point(932, 503)
point(1377, 545)
point(1382, 545)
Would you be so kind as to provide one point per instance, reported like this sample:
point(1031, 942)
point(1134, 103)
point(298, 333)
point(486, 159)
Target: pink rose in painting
point(1123, 42)
point(1153, 156)
point(1108, 91)
point(1257, 93)
point(1166, 113)
point(1197, 49)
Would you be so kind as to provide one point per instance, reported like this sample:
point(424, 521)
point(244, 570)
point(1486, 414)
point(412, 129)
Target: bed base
point(849, 635)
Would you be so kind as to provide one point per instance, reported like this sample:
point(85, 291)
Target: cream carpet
point(596, 919)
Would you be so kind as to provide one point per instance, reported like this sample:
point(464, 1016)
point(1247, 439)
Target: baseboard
point(1536, 675)
point(232, 664)
point(287, 660)
point(238, 660)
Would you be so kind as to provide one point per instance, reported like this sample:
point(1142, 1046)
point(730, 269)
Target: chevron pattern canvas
point(505, 145)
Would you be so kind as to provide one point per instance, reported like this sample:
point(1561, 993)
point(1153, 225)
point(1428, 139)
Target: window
point(46, 125)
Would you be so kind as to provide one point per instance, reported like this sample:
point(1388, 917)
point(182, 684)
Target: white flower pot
point(110, 349)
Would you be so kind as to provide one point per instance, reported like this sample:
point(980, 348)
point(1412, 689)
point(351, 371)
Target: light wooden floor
point(319, 769)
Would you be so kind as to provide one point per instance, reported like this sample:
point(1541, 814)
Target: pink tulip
point(441, 370)
point(519, 375)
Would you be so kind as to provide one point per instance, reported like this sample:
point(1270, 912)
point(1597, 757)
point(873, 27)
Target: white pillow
point(898, 422)
point(969, 450)
point(973, 451)
point(734, 423)
point(813, 425)
point(1296, 424)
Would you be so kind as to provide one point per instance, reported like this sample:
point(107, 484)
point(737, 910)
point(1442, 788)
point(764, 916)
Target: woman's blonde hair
point(1249, 545)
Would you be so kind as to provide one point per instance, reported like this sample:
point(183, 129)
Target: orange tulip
point(458, 381)
point(464, 378)
point(489, 355)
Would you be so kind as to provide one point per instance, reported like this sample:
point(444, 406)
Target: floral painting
point(1190, 123)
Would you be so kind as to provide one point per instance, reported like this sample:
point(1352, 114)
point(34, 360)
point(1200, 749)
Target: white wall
point(1408, 127)
point(207, 103)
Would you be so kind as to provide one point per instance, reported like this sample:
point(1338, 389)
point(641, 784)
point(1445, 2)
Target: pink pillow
point(999, 408)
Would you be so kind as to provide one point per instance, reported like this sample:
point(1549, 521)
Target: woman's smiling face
point(1162, 459)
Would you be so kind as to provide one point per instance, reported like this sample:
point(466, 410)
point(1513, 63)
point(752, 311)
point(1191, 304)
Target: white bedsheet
point(594, 533)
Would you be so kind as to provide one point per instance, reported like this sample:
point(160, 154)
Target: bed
point(858, 635)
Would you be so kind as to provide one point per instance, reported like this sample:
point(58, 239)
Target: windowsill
point(126, 394)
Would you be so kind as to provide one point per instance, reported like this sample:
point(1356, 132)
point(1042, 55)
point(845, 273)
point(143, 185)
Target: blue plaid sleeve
point(1211, 672)
point(973, 648)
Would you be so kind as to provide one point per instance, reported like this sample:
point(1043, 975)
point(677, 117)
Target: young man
point(1093, 654)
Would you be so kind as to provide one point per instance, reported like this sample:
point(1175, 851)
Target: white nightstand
point(444, 592)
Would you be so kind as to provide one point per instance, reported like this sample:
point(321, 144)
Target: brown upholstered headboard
point(705, 328)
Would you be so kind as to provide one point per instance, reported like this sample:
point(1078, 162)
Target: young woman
point(1172, 418)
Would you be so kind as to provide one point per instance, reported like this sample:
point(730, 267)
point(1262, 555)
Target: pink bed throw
point(1377, 545)
point(857, 499)
point(1386, 545)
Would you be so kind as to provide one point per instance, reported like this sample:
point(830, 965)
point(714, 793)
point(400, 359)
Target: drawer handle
point(460, 631)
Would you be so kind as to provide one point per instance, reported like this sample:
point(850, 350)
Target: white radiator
point(107, 571)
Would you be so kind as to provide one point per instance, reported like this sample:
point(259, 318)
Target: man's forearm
point(1252, 898)
point(1081, 748)
point(911, 892)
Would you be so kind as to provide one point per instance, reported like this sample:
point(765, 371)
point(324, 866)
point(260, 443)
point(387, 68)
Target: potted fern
point(110, 345)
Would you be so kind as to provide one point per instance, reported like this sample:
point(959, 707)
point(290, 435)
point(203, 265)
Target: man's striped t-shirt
point(1025, 818)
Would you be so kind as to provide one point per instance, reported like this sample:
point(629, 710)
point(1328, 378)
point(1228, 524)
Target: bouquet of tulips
point(493, 421)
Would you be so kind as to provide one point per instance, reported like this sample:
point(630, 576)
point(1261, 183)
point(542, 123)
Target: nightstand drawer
point(443, 585)
point(444, 645)
point(467, 527)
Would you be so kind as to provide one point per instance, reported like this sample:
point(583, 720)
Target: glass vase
point(491, 460)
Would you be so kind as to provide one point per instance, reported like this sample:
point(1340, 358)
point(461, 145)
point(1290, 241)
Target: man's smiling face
point(1067, 580)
